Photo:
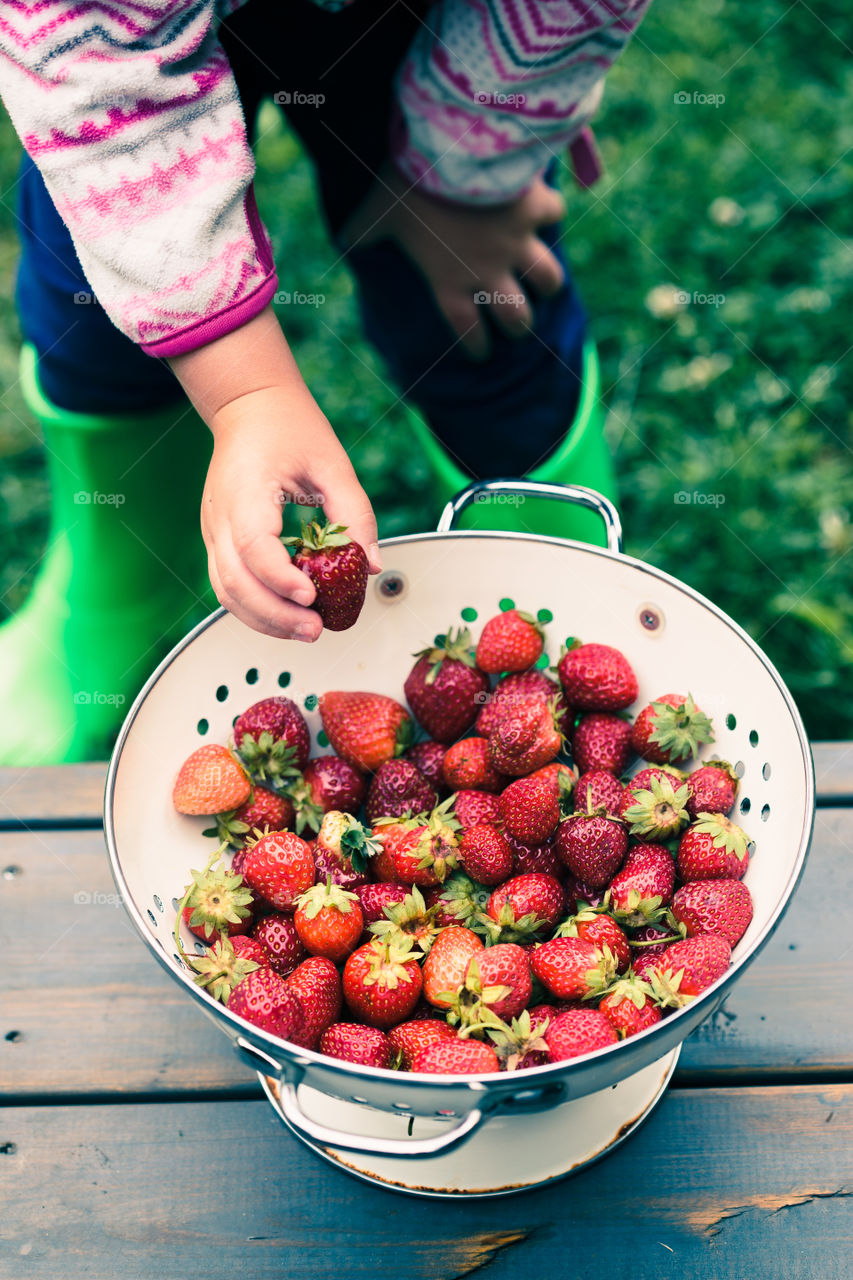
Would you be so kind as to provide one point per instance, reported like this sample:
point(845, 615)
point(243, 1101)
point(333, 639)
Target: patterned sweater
point(130, 110)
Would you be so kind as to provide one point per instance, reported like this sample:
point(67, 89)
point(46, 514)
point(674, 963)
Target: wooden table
point(133, 1143)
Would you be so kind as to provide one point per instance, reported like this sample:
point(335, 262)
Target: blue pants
point(497, 417)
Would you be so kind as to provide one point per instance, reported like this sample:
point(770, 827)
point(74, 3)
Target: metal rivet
point(391, 585)
point(650, 617)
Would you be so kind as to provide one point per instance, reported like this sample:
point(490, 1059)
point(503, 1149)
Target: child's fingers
point(347, 504)
point(545, 205)
point(461, 313)
point(267, 560)
point(255, 604)
point(510, 307)
point(540, 269)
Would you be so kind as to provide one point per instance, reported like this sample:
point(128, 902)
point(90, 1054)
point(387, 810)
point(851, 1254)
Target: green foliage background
point(749, 400)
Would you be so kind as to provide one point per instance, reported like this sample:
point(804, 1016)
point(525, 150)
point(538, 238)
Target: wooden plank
point(718, 1185)
point(58, 795)
point(833, 771)
point(85, 991)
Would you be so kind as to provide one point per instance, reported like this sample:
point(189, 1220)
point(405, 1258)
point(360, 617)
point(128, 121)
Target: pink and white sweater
point(130, 110)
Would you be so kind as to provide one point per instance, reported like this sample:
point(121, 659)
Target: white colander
point(675, 639)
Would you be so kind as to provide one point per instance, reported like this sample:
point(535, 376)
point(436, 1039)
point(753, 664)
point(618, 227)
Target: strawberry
point(279, 867)
point(714, 906)
point(327, 783)
point(713, 848)
point(458, 900)
point(525, 740)
point(456, 1058)
point(643, 886)
point(264, 999)
point(630, 1007)
point(529, 809)
point(277, 934)
point(596, 677)
point(572, 968)
point(521, 1045)
point(468, 767)
point(688, 967)
point(523, 906)
point(263, 811)
point(421, 852)
point(473, 807)
point(513, 641)
point(366, 729)
point(412, 918)
point(485, 854)
point(598, 789)
point(528, 859)
point(344, 849)
point(444, 685)
point(560, 778)
point(601, 741)
point(580, 895)
point(216, 901)
point(517, 690)
point(398, 788)
point(428, 759)
point(210, 781)
point(374, 898)
point(317, 983)
point(648, 942)
point(670, 729)
point(592, 846)
point(653, 805)
point(338, 568)
point(498, 978)
point(329, 921)
point(224, 966)
point(382, 982)
point(447, 962)
point(578, 1031)
point(272, 740)
point(602, 931)
point(408, 1038)
point(353, 1042)
point(245, 947)
point(711, 789)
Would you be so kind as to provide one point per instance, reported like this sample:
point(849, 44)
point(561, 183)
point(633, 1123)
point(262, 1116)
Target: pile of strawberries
point(492, 896)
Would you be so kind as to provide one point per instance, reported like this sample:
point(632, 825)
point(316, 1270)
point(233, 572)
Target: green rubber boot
point(582, 458)
point(123, 578)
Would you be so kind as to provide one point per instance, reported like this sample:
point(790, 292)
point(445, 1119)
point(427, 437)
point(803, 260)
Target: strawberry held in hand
point(338, 568)
point(445, 688)
point(512, 641)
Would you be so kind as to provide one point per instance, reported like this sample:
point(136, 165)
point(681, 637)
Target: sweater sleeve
point(132, 115)
point(491, 89)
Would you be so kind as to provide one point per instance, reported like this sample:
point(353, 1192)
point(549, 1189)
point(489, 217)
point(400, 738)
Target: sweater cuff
point(216, 326)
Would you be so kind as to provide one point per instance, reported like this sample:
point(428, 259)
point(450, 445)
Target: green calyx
point(345, 837)
point(638, 911)
point(269, 763)
point(632, 988)
point(469, 1008)
point(511, 1043)
point(680, 730)
point(507, 928)
point(600, 978)
point(464, 897)
point(220, 969)
point(724, 834)
point(456, 645)
point(666, 991)
point(388, 962)
point(318, 537)
point(411, 917)
point(658, 810)
point(307, 813)
point(218, 897)
point(229, 830)
point(321, 897)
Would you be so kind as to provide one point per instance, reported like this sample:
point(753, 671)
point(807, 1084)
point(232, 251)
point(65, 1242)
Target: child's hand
point(272, 444)
point(466, 251)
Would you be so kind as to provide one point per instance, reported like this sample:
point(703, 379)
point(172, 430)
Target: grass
point(738, 400)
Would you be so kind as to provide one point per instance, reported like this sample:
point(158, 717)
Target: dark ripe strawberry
point(537, 898)
point(503, 966)
point(530, 810)
point(593, 847)
point(602, 931)
point(596, 677)
point(578, 1031)
point(654, 805)
point(398, 788)
point(526, 740)
point(645, 963)
point(598, 789)
point(601, 741)
point(248, 948)
point(579, 894)
point(382, 982)
point(517, 690)
point(714, 906)
point(528, 859)
point(280, 867)
point(210, 781)
point(272, 738)
point(317, 983)
point(572, 968)
point(413, 918)
point(468, 767)
point(644, 884)
point(264, 999)
point(456, 1058)
point(263, 811)
point(629, 1007)
point(650, 940)
point(712, 788)
point(445, 687)
point(342, 873)
point(365, 728)
point(512, 641)
point(458, 901)
point(338, 568)
point(374, 898)
point(670, 729)
point(408, 1038)
point(473, 807)
point(687, 968)
point(327, 783)
point(277, 935)
point(428, 759)
point(713, 848)
point(485, 854)
point(353, 1042)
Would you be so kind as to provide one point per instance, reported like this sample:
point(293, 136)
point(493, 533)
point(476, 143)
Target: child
point(147, 277)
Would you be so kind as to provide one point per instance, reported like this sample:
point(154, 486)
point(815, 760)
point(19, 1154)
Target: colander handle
point(575, 493)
